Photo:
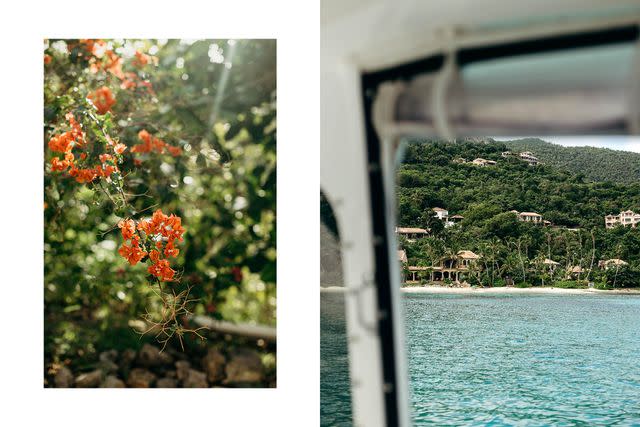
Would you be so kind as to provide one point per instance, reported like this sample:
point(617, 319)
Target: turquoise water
point(505, 360)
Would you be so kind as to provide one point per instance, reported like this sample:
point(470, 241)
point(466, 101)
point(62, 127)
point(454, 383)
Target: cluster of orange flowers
point(101, 58)
point(66, 141)
point(102, 99)
point(131, 81)
point(151, 143)
point(142, 59)
point(164, 231)
point(75, 138)
point(96, 50)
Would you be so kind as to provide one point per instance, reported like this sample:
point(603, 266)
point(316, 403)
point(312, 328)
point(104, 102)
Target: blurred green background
point(216, 99)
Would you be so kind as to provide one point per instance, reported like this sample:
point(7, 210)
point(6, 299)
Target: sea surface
point(504, 360)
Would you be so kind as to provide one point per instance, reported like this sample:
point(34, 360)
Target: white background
point(24, 401)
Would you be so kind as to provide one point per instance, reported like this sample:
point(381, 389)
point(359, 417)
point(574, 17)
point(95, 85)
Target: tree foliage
point(486, 195)
point(212, 104)
point(595, 164)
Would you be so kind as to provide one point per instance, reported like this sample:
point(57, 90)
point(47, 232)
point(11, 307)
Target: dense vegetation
point(213, 103)
point(430, 178)
point(597, 164)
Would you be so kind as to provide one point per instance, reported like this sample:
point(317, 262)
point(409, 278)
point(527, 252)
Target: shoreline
point(435, 289)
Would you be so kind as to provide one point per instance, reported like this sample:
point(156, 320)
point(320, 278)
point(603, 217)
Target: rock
point(113, 382)
point(245, 366)
point(108, 366)
point(111, 355)
point(150, 355)
point(182, 369)
point(170, 374)
point(213, 365)
point(140, 378)
point(107, 361)
point(64, 378)
point(126, 359)
point(195, 379)
point(90, 379)
point(167, 383)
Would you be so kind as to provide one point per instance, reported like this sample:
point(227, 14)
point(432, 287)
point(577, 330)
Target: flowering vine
point(85, 150)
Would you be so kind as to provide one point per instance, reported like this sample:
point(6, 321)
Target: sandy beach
point(503, 290)
point(512, 290)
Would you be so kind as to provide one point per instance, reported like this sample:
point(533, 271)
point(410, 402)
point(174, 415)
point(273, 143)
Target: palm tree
point(593, 253)
point(521, 245)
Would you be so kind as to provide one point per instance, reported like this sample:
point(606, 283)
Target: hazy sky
point(625, 143)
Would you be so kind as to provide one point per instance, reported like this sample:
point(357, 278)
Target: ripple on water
point(533, 360)
point(527, 360)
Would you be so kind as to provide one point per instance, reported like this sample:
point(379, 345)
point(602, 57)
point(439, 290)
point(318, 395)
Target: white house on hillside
point(529, 217)
point(483, 162)
point(612, 263)
point(528, 157)
point(441, 214)
point(625, 218)
point(411, 233)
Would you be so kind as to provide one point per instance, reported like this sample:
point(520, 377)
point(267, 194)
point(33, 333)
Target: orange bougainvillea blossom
point(142, 59)
point(65, 142)
point(151, 143)
point(160, 232)
point(82, 169)
point(102, 99)
point(102, 58)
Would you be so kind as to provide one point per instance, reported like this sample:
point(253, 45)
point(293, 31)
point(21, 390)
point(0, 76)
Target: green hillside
point(430, 177)
point(597, 164)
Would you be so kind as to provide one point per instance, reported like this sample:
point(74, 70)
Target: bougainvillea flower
point(150, 143)
point(119, 148)
point(105, 170)
point(128, 83)
point(61, 143)
point(141, 59)
point(158, 229)
point(154, 255)
point(102, 99)
point(128, 228)
point(161, 270)
point(144, 136)
point(104, 157)
point(83, 175)
point(132, 253)
point(94, 47)
point(170, 250)
point(174, 229)
point(76, 129)
point(59, 165)
point(114, 64)
point(174, 151)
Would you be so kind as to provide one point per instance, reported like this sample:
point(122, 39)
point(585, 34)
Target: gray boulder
point(90, 379)
point(213, 364)
point(64, 378)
